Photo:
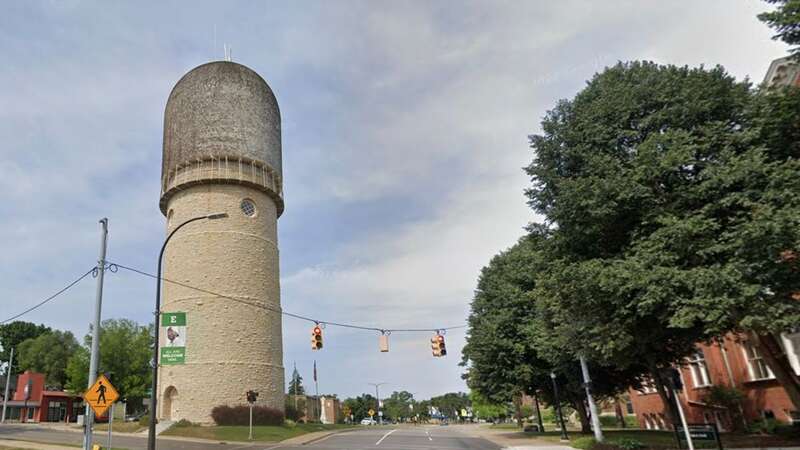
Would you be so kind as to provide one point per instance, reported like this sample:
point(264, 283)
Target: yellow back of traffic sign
point(101, 395)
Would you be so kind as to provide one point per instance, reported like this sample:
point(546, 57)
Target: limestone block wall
point(231, 345)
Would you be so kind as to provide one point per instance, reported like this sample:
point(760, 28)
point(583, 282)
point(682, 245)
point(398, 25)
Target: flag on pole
point(315, 370)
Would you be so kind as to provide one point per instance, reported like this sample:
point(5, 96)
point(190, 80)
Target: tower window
point(248, 207)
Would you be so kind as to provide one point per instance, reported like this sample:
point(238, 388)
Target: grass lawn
point(119, 426)
point(666, 439)
point(240, 433)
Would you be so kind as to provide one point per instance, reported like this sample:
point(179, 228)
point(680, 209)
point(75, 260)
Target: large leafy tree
point(13, 333)
point(785, 20)
point(502, 356)
point(499, 357)
point(673, 208)
point(124, 354)
point(48, 354)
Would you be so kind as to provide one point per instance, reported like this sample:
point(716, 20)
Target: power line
point(78, 280)
point(285, 313)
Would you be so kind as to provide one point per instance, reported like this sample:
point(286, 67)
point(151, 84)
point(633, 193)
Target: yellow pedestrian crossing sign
point(101, 395)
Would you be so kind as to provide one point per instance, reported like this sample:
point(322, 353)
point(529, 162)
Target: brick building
point(33, 402)
point(733, 363)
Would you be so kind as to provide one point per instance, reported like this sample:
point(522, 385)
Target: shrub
point(144, 421)
point(764, 426)
point(240, 415)
point(583, 443)
point(183, 423)
point(291, 412)
point(629, 444)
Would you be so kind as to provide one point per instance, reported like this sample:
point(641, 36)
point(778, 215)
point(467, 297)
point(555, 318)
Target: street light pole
point(151, 435)
point(587, 381)
point(378, 400)
point(564, 436)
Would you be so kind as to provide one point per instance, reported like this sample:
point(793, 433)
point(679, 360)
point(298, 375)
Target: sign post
point(110, 424)
point(251, 399)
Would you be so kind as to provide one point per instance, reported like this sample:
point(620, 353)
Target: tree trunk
point(667, 397)
point(580, 408)
point(518, 409)
point(770, 349)
point(618, 412)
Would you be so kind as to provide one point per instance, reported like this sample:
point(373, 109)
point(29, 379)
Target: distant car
point(367, 422)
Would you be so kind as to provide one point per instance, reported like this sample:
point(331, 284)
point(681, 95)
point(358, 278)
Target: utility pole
point(101, 265)
point(378, 401)
point(587, 382)
point(8, 378)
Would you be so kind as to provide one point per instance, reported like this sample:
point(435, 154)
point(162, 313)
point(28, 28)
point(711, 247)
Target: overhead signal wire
point(65, 289)
point(289, 314)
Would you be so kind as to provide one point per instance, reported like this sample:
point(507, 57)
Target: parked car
point(368, 422)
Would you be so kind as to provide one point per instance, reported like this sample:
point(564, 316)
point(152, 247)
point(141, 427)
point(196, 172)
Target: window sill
point(704, 386)
point(760, 380)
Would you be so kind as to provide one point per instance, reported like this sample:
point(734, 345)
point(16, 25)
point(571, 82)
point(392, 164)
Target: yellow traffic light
point(435, 346)
point(440, 341)
point(316, 338)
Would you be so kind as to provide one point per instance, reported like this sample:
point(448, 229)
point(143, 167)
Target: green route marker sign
point(173, 338)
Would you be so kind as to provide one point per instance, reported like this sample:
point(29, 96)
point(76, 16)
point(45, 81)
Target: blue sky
point(404, 138)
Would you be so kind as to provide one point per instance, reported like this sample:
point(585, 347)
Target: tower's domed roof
point(221, 110)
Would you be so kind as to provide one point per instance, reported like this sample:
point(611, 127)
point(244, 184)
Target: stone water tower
point(222, 154)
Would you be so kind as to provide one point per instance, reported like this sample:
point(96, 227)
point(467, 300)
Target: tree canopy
point(672, 216)
point(48, 354)
point(124, 353)
point(13, 333)
point(785, 20)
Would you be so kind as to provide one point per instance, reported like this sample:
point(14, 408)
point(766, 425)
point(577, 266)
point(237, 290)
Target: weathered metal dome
point(222, 124)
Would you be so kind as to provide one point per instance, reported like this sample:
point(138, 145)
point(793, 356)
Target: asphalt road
point(374, 438)
point(404, 438)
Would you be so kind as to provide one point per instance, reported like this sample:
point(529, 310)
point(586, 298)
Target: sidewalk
point(29, 445)
point(509, 439)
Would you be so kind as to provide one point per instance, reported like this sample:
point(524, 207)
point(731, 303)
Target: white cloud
point(421, 108)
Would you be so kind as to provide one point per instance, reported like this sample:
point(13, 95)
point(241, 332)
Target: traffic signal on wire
point(437, 345)
point(316, 338)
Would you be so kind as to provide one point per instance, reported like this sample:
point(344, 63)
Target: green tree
point(502, 355)
point(296, 384)
point(785, 20)
point(124, 353)
point(673, 208)
point(398, 406)
point(12, 334)
point(484, 409)
point(451, 404)
point(48, 354)
point(360, 406)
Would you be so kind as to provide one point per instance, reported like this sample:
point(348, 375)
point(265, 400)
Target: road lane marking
point(429, 435)
point(384, 437)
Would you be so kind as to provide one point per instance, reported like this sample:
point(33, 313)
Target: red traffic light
point(440, 338)
point(317, 330)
